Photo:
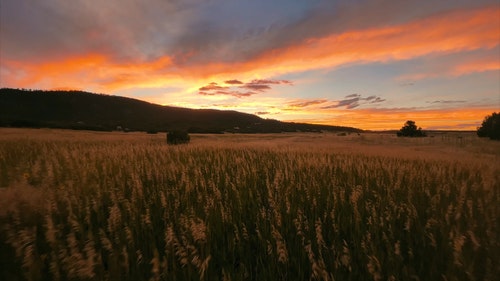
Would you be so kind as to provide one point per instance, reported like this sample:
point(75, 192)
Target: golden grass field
point(77, 205)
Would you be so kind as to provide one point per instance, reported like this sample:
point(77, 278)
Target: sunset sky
point(367, 64)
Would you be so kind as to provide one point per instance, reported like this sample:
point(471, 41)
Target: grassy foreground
point(83, 206)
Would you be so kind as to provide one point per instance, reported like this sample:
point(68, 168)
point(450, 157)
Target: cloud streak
point(263, 85)
point(228, 93)
point(212, 87)
point(446, 101)
point(233, 89)
point(306, 103)
point(353, 101)
point(233, 82)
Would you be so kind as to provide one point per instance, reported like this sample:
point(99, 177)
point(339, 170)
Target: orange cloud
point(92, 70)
point(476, 66)
point(64, 70)
point(456, 68)
point(445, 33)
point(449, 32)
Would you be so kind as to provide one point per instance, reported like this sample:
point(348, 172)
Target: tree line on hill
point(88, 111)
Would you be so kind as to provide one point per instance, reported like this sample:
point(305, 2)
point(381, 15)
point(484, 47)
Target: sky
point(366, 64)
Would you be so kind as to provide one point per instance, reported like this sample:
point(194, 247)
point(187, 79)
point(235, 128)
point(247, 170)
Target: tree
point(178, 137)
point(490, 127)
point(411, 130)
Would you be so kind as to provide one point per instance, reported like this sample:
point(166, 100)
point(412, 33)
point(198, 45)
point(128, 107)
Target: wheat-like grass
point(96, 206)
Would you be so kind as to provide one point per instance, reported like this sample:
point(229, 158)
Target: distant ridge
point(89, 111)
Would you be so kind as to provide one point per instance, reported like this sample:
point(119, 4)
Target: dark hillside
point(83, 110)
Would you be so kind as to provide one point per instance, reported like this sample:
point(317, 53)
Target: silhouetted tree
point(411, 130)
point(490, 127)
point(178, 137)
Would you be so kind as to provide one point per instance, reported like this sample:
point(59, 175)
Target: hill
point(89, 111)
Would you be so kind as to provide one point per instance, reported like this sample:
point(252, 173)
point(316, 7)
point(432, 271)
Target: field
point(126, 206)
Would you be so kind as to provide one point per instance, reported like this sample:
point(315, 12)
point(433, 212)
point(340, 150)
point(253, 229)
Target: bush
point(411, 130)
point(490, 127)
point(178, 137)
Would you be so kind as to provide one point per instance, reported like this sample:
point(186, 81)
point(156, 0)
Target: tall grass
point(95, 209)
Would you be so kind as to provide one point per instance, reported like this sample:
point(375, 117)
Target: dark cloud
point(348, 103)
point(270, 82)
point(256, 85)
point(233, 82)
point(307, 103)
point(262, 112)
point(262, 85)
point(446, 101)
point(212, 87)
point(353, 96)
point(353, 101)
point(374, 99)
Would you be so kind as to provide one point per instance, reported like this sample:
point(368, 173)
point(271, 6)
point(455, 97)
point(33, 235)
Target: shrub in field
point(410, 130)
point(178, 137)
point(490, 127)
